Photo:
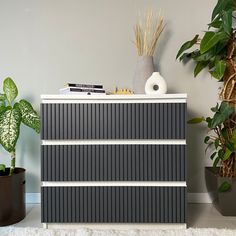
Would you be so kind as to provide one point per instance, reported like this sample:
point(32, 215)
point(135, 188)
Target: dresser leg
point(45, 225)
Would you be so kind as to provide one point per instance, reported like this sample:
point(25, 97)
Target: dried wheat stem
point(147, 33)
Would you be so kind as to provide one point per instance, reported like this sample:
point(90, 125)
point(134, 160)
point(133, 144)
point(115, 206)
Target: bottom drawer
point(113, 204)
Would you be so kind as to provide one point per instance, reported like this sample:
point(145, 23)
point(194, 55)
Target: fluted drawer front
point(113, 163)
point(113, 204)
point(113, 121)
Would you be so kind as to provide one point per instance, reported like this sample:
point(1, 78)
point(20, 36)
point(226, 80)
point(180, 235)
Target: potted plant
point(12, 179)
point(216, 51)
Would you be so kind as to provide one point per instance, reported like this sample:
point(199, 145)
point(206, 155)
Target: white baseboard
point(200, 198)
point(34, 198)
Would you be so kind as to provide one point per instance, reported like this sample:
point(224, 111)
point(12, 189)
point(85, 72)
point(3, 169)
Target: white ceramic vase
point(155, 84)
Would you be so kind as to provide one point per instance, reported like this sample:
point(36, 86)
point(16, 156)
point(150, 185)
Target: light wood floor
point(199, 216)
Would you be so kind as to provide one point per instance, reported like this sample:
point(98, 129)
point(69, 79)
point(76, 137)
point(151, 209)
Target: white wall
point(46, 43)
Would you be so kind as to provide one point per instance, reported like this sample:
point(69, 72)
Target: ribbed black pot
point(224, 202)
point(12, 197)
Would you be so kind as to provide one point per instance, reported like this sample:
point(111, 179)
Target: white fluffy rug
point(13, 231)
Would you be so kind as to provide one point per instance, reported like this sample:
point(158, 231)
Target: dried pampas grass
point(147, 32)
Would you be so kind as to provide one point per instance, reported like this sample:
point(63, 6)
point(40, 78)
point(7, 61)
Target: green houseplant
point(216, 51)
point(12, 115)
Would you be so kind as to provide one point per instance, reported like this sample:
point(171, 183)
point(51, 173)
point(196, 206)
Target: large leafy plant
point(12, 115)
point(216, 52)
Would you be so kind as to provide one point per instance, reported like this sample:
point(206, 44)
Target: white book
point(82, 93)
point(82, 90)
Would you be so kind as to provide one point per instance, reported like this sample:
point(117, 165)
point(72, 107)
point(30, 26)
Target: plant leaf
point(216, 24)
point(221, 154)
point(208, 120)
point(210, 39)
point(199, 67)
point(208, 146)
point(187, 45)
point(3, 97)
point(233, 139)
point(213, 155)
point(220, 6)
point(224, 187)
point(224, 112)
point(227, 21)
point(10, 89)
point(29, 115)
point(227, 154)
point(2, 167)
point(10, 122)
point(196, 120)
point(217, 143)
point(219, 70)
point(229, 145)
point(207, 138)
point(2, 109)
point(215, 163)
point(215, 109)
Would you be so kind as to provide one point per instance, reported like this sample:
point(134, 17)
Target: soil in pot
point(12, 197)
point(224, 202)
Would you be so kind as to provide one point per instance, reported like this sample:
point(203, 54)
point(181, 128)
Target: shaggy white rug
point(13, 231)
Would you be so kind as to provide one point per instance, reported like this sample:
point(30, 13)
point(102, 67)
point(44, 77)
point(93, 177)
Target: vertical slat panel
point(81, 167)
point(109, 121)
point(113, 162)
point(114, 204)
point(125, 120)
point(86, 165)
point(133, 122)
point(149, 120)
point(89, 162)
point(145, 120)
point(90, 121)
point(105, 161)
point(109, 162)
point(93, 120)
point(126, 161)
point(145, 164)
point(49, 121)
point(101, 120)
point(149, 164)
point(43, 116)
point(73, 121)
point(69, 121)
point(97, 120)
point(97, 161)
point(114, 121)
point(105, 123)
point(93, 163)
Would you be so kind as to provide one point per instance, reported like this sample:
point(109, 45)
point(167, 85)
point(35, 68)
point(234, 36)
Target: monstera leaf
point(10, 89)
point(10, 121)
point(29, 115)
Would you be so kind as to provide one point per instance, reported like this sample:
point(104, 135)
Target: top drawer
point(113, 121)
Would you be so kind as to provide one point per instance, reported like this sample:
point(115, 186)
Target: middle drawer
point(113, 163)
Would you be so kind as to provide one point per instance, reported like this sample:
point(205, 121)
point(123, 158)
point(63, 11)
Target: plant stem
point(13, 163)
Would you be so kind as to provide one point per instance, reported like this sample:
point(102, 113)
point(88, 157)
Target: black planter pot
point(12, 197)
point(224, 202)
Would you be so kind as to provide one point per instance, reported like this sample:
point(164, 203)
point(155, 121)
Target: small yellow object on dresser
point(122, 91)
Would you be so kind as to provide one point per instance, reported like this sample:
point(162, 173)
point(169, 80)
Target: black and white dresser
point(115, 161)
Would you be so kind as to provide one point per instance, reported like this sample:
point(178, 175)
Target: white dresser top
point(74, 98)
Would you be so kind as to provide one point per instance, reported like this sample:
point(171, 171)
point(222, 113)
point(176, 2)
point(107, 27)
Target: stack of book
point(83, 89)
